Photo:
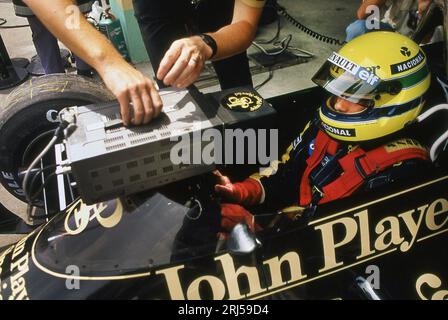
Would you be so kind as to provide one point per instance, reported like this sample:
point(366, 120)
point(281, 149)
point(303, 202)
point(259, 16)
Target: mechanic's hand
point(129, 85)
point(183, 62)
point(226, 188)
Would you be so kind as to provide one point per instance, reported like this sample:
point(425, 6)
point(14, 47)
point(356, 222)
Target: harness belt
point(356, 167)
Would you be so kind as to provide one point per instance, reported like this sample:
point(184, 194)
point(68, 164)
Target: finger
point(193, 76)
point(250, 221)
point(217, 173)
point(189, 69)
point(170, 57)
point(178, 67)
point(138, 106)
point(222, 180)
point(147, 104)
point(157, 102)
point(123, 100)
point(219, 188)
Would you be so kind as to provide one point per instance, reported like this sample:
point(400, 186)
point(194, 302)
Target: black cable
point(58, 136)
point(38, 174)
point(3, 21)
point(269, 78)
point(35, 195)
point(33, 142)
point(316, 35)
point(277, 34)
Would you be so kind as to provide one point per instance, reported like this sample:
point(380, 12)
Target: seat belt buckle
point(318, 191)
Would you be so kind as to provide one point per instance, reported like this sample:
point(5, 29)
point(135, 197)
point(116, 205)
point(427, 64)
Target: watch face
point(242, 101)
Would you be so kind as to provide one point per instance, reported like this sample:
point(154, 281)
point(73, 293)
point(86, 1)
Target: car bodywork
point(386, 244)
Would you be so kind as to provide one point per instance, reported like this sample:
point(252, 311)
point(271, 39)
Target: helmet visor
point(348, 80)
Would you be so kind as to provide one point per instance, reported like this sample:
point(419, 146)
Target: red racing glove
point(232, 214)
point(247, 193)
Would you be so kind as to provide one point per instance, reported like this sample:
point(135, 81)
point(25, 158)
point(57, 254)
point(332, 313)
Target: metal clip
point(320, 192)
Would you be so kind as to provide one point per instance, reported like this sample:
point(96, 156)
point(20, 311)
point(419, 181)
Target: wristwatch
point(210, 42)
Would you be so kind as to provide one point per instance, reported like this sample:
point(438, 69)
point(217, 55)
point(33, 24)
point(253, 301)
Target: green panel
point(131, 31)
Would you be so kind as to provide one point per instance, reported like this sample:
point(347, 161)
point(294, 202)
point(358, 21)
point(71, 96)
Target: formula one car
point(163, 244)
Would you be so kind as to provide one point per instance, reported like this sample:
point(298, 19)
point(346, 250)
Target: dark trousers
point(48, 49)
point(164, 21)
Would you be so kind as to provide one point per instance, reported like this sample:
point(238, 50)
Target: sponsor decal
point(311, 147)
point(242, 102)
point(428, 283)
point(373, 237)
point(18, 268)
point(53, 116)
point(356, 70)
point(408, 65)
point(79, 215)
point(403, 144)
point(405, 51)
point(296, 142)
point(12, 183)
point(2, 260)
point(339, 131)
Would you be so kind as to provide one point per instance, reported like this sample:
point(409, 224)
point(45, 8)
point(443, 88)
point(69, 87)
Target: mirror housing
point(241, 240)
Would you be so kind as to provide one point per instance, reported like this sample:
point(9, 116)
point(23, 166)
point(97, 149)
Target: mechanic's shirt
point(281, 181)
point(22, 10)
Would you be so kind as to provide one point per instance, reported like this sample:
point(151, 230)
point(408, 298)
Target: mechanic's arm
point(423, 6)
point(185, 59)
point(125, 82)
point(362, 11)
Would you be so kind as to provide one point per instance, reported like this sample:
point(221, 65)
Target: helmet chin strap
point(443, 137)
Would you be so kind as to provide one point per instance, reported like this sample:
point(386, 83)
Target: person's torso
point(22, 10)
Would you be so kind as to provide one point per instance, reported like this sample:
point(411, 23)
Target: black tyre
point(30, 111)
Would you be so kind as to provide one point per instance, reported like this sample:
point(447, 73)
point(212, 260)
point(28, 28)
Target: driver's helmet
point(384, 71)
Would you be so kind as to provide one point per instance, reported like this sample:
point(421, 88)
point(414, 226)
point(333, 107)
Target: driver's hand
point(226, 188)
point(248, 193)
point(232, 214)
point(183, 62)
point(130, 85)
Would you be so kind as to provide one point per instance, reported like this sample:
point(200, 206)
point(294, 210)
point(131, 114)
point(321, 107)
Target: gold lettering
point(18, 283)
point(232, 276)
point(413, 227)
point(21, 266)
point(394, 232)
point(215, 284)
point(18, 290)
point(244, 102)
point(18, 248)
point(293, 260)
point(364, 232)
point(329, 241)
point(173, 282)
point(403, 144)
point(5, 253)
point(433, 282)
point(431, 214)
point(83, 214)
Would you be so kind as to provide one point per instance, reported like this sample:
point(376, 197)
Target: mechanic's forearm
point(362, 11)
point(233, 39)
point(85, 41)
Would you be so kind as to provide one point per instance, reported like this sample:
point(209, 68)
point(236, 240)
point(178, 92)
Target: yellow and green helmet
point(383, 71)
